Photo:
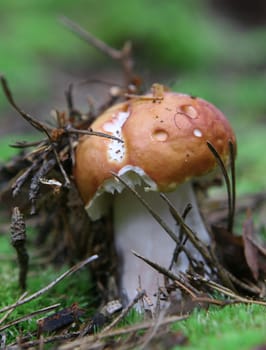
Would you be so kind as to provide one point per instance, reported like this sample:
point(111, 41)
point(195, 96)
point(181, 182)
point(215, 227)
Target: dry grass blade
point(228, 292)
point(92, 40)
point(36, 124)
point(211, 258)
point(38, 344)
point(28, 316)
point(151, 211)
point(25, 144)
point(249, 287)
point(200, 246)
point(93, 133)
point(12, 309)
point(96, 341)
point(63, 172)
point(180, 283)
point(21, 180)
point(69, 272)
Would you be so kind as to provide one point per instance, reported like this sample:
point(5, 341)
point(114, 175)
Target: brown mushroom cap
point(166, 138)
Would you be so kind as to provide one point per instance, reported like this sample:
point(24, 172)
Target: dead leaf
point(250, 250)
point(230, 252)
point(60, 319)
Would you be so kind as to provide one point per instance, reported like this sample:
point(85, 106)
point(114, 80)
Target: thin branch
point(91, 339)
point(63, 172)
point(180, 247)
point(16, 187)
point(123, 55)
point(143, 325)
point(226, 291)
point(166, 273)
point(40, 342)
point(12, 309)
point(199, 245)
point(91, 39)
point(71, 130)
point(209, 257)
point(28, 316)
point(69, 272)
point(35, 123)
point(251, 288)
point(151, 211)
point(25, 144)
point(99, 81)
point(202, 248)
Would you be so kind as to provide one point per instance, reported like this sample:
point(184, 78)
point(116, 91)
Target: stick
point(69, 272)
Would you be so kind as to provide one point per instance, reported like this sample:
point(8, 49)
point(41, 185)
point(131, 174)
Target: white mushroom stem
point(136, 229)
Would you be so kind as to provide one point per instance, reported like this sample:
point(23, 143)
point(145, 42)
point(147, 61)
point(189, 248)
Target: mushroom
point(164, 146)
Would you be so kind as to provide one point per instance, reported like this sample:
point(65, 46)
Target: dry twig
point(69, 272)
point(124, 56)
point(28, 316)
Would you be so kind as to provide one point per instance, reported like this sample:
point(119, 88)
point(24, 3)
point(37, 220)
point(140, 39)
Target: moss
point(233, 327)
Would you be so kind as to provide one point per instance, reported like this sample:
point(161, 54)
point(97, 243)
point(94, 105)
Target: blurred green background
point(208, 48)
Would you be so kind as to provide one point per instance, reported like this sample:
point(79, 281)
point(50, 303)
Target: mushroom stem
point(135, 229)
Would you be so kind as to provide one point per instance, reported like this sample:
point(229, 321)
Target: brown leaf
point(250, 250)
point(230, 252)
point(60, 319)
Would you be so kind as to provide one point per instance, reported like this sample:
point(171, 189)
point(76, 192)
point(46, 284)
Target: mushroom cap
point(164, 140)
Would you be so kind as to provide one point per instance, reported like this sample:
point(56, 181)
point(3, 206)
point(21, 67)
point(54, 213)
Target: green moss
point(76, 288)
point(236, 327)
